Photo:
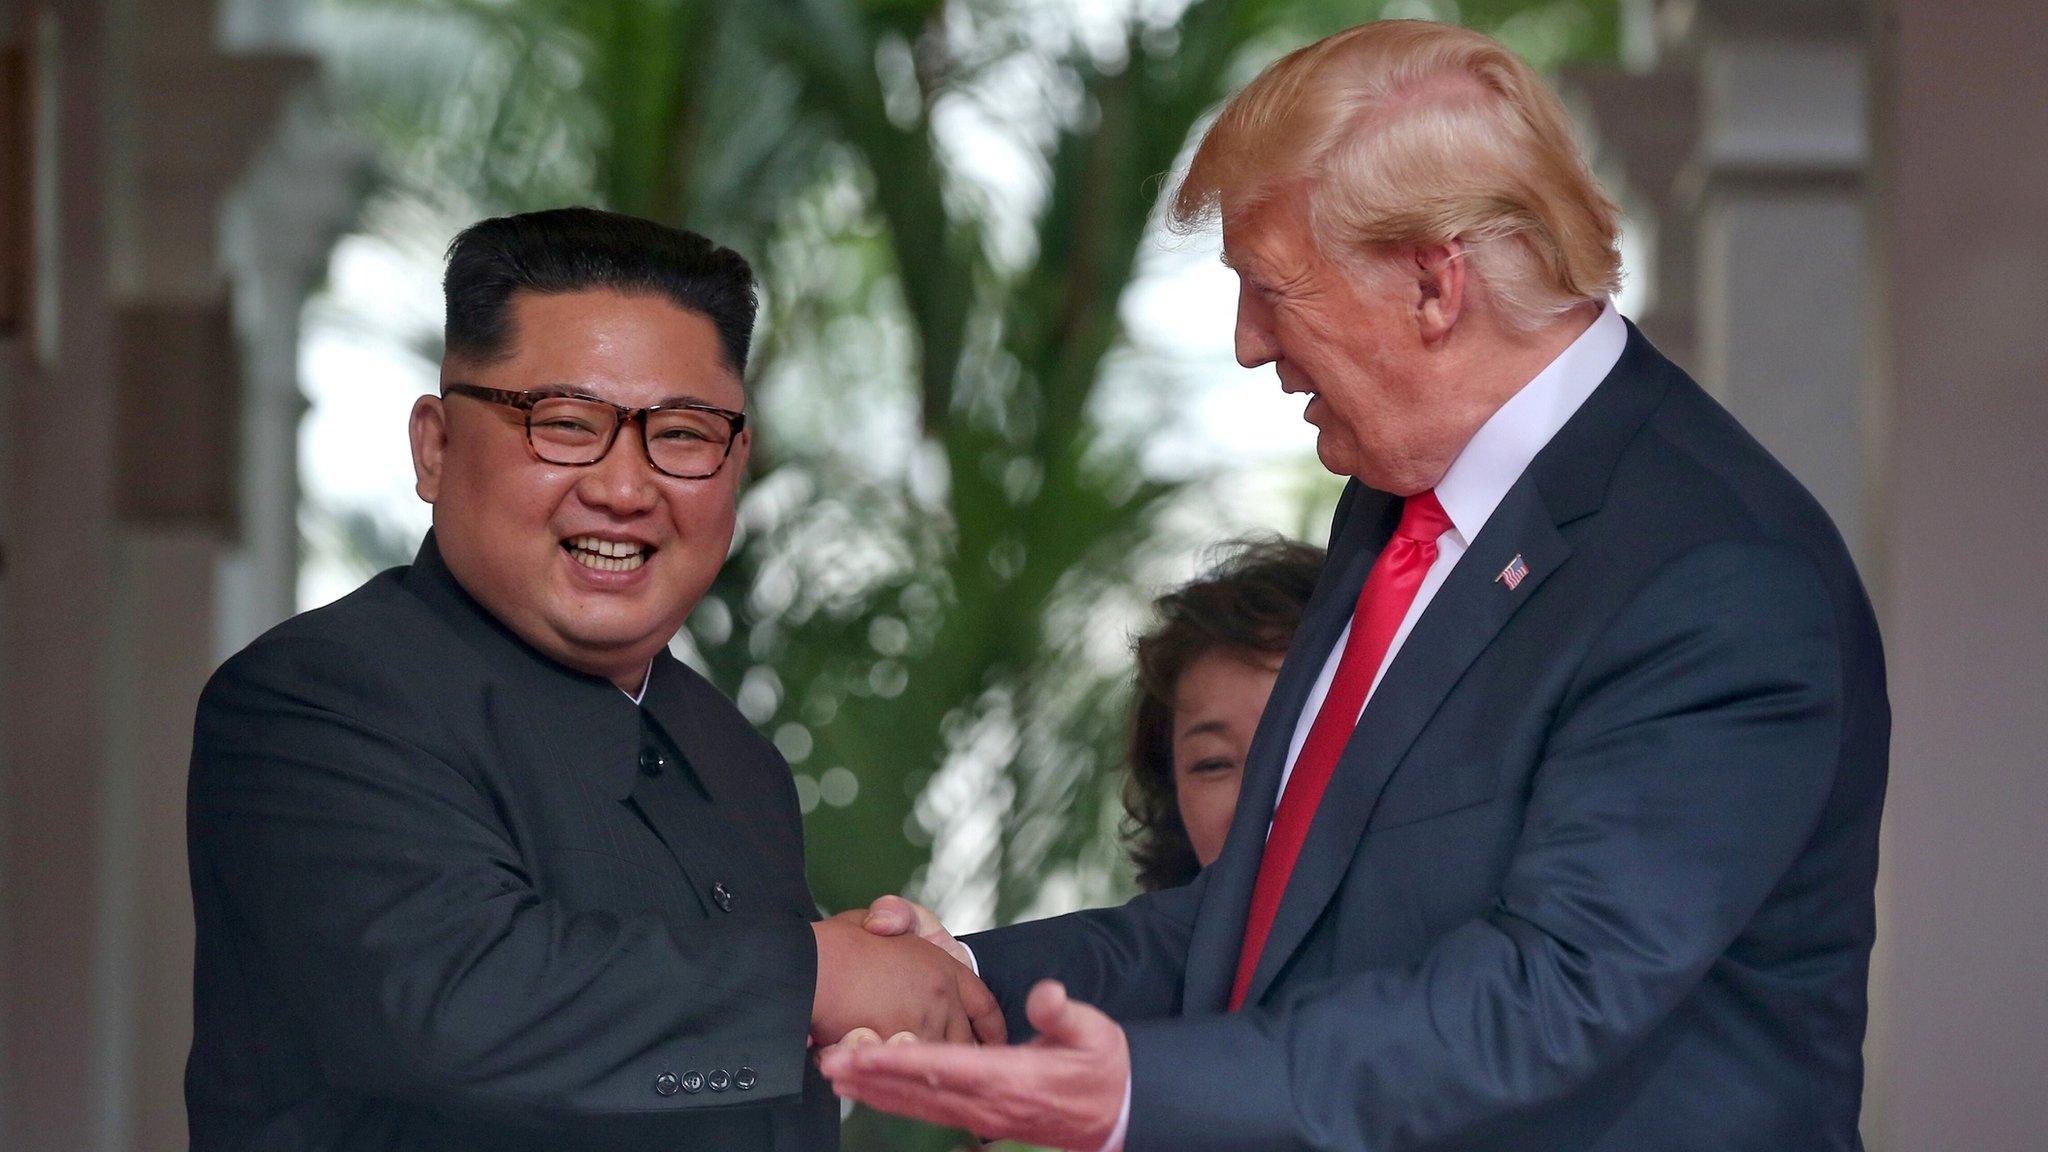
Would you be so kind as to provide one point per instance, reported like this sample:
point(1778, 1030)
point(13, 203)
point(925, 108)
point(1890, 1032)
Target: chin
point(1337, 458)
point(617, 637)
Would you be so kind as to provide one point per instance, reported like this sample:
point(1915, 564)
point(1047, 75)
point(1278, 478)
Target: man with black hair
point(477, 864)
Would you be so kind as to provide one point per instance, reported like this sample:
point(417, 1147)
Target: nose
point(1254, 336)
point(623, 483)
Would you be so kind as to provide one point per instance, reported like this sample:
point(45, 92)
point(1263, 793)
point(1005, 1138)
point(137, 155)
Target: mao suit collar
point(588, 724)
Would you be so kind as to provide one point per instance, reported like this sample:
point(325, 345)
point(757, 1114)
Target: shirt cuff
point(973, 965)
point(1115, 1143)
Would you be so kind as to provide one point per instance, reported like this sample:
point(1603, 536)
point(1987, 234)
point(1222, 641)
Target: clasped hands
point(1064, 1089)
point(894, 983)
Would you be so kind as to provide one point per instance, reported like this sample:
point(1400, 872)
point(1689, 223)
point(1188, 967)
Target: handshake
point(890, 970)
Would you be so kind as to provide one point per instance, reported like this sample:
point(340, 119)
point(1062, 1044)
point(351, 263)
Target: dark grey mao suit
point(452, 895)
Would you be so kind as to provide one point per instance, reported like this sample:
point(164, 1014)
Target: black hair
point(1248, 603)
point(578, 249)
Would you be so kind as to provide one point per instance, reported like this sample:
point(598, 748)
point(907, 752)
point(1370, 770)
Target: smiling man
point(477, 864)
point(1559, 830)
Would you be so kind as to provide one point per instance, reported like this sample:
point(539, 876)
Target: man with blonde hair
point(1560, 828)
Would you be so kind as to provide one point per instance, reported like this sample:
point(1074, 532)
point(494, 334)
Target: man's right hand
point(896, 983)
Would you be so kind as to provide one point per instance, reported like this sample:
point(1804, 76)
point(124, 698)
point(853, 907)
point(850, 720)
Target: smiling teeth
point(607, 555)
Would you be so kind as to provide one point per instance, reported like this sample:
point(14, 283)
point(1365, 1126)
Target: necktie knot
point(1423, 518)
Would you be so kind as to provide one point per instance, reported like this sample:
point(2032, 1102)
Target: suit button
point(719, 1080)
point(721, 896)
point(666, 1084)
point(651, 762)
point(693, 1081)
point(744, 1079)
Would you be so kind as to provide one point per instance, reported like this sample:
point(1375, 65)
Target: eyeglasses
point(686, 440)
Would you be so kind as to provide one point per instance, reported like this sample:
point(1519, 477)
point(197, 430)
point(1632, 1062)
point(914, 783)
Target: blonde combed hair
point(1412, 133)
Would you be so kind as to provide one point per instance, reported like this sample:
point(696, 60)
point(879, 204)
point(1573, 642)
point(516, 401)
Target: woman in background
point(1204, 673)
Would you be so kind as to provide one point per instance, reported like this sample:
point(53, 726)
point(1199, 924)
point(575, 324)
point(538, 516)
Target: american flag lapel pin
point(1513, 574)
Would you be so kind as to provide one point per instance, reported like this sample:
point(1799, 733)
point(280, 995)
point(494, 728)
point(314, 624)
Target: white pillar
point(280, 228)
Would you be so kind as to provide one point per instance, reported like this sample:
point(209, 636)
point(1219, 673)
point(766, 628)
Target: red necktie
point(1389, 590)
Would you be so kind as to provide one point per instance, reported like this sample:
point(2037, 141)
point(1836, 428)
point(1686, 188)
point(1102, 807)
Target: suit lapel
point(1359, 534)
point(1468, 611)
point(1566, 481)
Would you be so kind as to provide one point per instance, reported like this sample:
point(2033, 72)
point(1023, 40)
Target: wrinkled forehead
point(1267, 234)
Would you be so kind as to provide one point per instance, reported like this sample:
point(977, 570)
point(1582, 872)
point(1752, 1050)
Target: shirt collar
point(640, 696)
point(1501, 450)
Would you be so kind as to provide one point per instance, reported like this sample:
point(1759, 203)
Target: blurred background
point(997, 412)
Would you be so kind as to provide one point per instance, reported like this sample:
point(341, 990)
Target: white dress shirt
point(1478, 480)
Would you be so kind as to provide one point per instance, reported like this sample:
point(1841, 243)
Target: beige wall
point(141, 536)
point(1963, 234)
point(60, 495)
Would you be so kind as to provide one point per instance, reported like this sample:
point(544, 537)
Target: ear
point(429, 428)
point(1439, 271)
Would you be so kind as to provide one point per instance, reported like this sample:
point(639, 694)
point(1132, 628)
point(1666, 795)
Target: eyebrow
point(1206, 727)
point(664, 402)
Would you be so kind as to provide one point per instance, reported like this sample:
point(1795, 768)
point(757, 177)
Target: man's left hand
point(895, 916)
point(1064, 1089)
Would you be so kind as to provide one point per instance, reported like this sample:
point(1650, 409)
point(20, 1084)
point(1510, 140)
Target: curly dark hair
point(1250, 600)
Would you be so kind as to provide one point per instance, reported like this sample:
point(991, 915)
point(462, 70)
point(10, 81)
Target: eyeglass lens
point(682, 442)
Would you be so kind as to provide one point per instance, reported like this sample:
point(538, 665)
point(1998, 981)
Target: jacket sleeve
point(1687, 768)
point(1127, 961)
point(374, 885)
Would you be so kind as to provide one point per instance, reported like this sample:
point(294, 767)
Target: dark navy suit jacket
point(1595, 871)
point(453, 896)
